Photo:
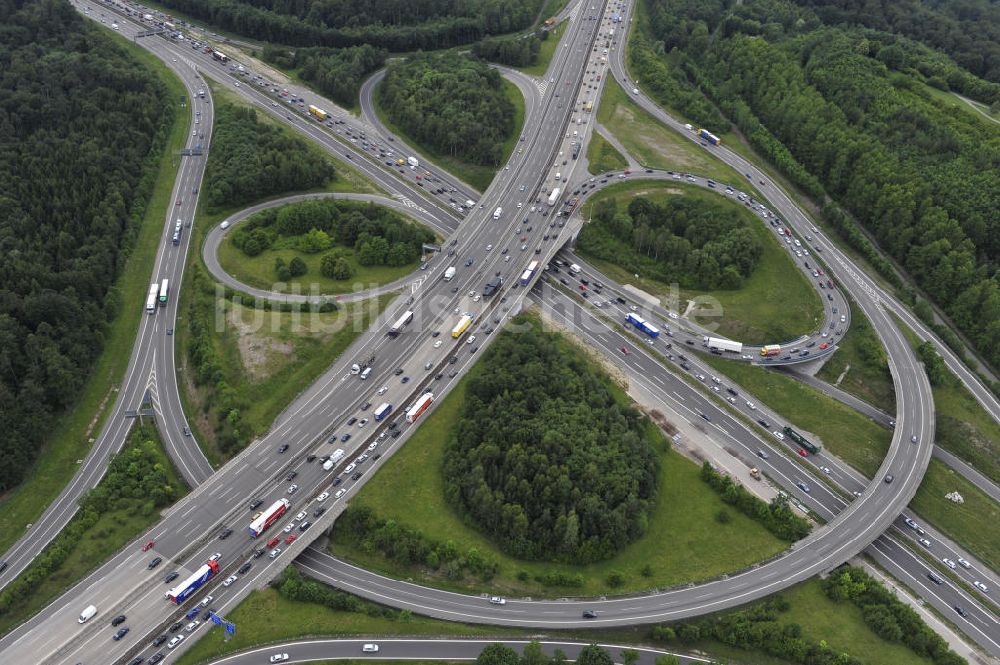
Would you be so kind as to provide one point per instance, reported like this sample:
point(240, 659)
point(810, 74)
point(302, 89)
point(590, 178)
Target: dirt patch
point(258, 353)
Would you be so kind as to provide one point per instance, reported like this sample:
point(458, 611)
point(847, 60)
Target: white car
point(323, 497)
point(350, 467)
point(175, 641)
point(498, 600)
point(215, 557)
point(279, 658)
point(339, 494)
point(948, 562)
point(274, 553)
point(370, 648)
point(751, 406)
point(206, 601)
point(288, 527)
point(477, 298)
point(472, 338)
point(292, 489)
point(229, 580)
point(300, 516)
point(437, 344)
point(191, 627)
point(982, 587)
point(362, 422)
point(373, 445)
point(778, 435)
point(963, 563)
point(381, 391)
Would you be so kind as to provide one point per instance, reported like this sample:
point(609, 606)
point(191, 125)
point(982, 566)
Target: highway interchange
point(187, 533)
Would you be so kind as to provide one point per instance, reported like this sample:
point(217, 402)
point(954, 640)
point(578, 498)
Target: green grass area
point(964, 428)
point(72, 433)
point(843, 627)
point(776, 302)
point(259, 271)
point(478, 176)
point(257, 623)
point(684, 541)
point(852, 437)
point(602, 156)
point(546, 51)
point(113, 530)
point(857, 361)
point(974, 524)
point(653, 144)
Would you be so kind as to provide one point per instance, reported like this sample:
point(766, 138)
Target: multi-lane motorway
point(186, 536)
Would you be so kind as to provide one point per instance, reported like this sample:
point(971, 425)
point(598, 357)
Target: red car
point(583, 288)
point(820, 271)
point(290, 539)
point(803, 452)
point(274, 541)
point(148, 546)
point(824, 345)
point(624, 350)
point(627, 171)
point(178, 202)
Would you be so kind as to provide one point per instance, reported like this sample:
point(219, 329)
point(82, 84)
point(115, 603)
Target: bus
point(462, 326)
point(802, 442)
point(383, 411)
point(528, 273)
point(220, 56)
point(164, 286)
point(154, 290)
point(400, 323)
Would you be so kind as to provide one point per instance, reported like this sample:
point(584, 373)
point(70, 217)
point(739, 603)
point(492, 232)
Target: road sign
point(230, 628)
point(215, 618)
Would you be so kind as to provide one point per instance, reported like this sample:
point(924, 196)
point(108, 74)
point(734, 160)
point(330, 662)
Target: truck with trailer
point(268, 517)
point(151, 297)
point(182, 591)
point(770, 350)
point(709, 136)
point(318, 113)
point(553, 197)
point(382, 411)
point(528, 273)
point(802, 442)
point(337, 455)
point(717, 344)
point(461, 326)
point(400, 323)
point(449, 273)
point(419, 407)
point(642, 325)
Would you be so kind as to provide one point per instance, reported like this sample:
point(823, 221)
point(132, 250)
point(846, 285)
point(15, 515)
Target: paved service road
point(302, 651)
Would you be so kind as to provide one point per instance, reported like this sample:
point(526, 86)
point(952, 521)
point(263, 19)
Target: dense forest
point(377, 235)
point(544, 460)
point(251, 160)
point(396, 25)
point(850, 112)
point(517, 51)
point(82, 125)
point(454, 105)
point(696, 243)
point(336, 73)
point(967, 30)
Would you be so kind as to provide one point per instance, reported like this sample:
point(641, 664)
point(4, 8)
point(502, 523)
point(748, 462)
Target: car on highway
point(982, 587)
point(948, 562)
point(170, 577)
point(177, 625)
point(256, 503)
point(245, 568)
point(369, 648)
point(381, 391)
point(405, 379)
point(498, 600)
point(291, 475)
point(279, 658)
point(888, 478)
point(148, 546)
point(159, 640)
point(274, 553)
point(926, 543)
point(589, 614)
point(175, 641)
point(283, 447)
point(963, 563)
point(154, 563)
point(118, 620)
point(292, 489)
point(323, 497)
point(804, 486)
point(120, 633)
